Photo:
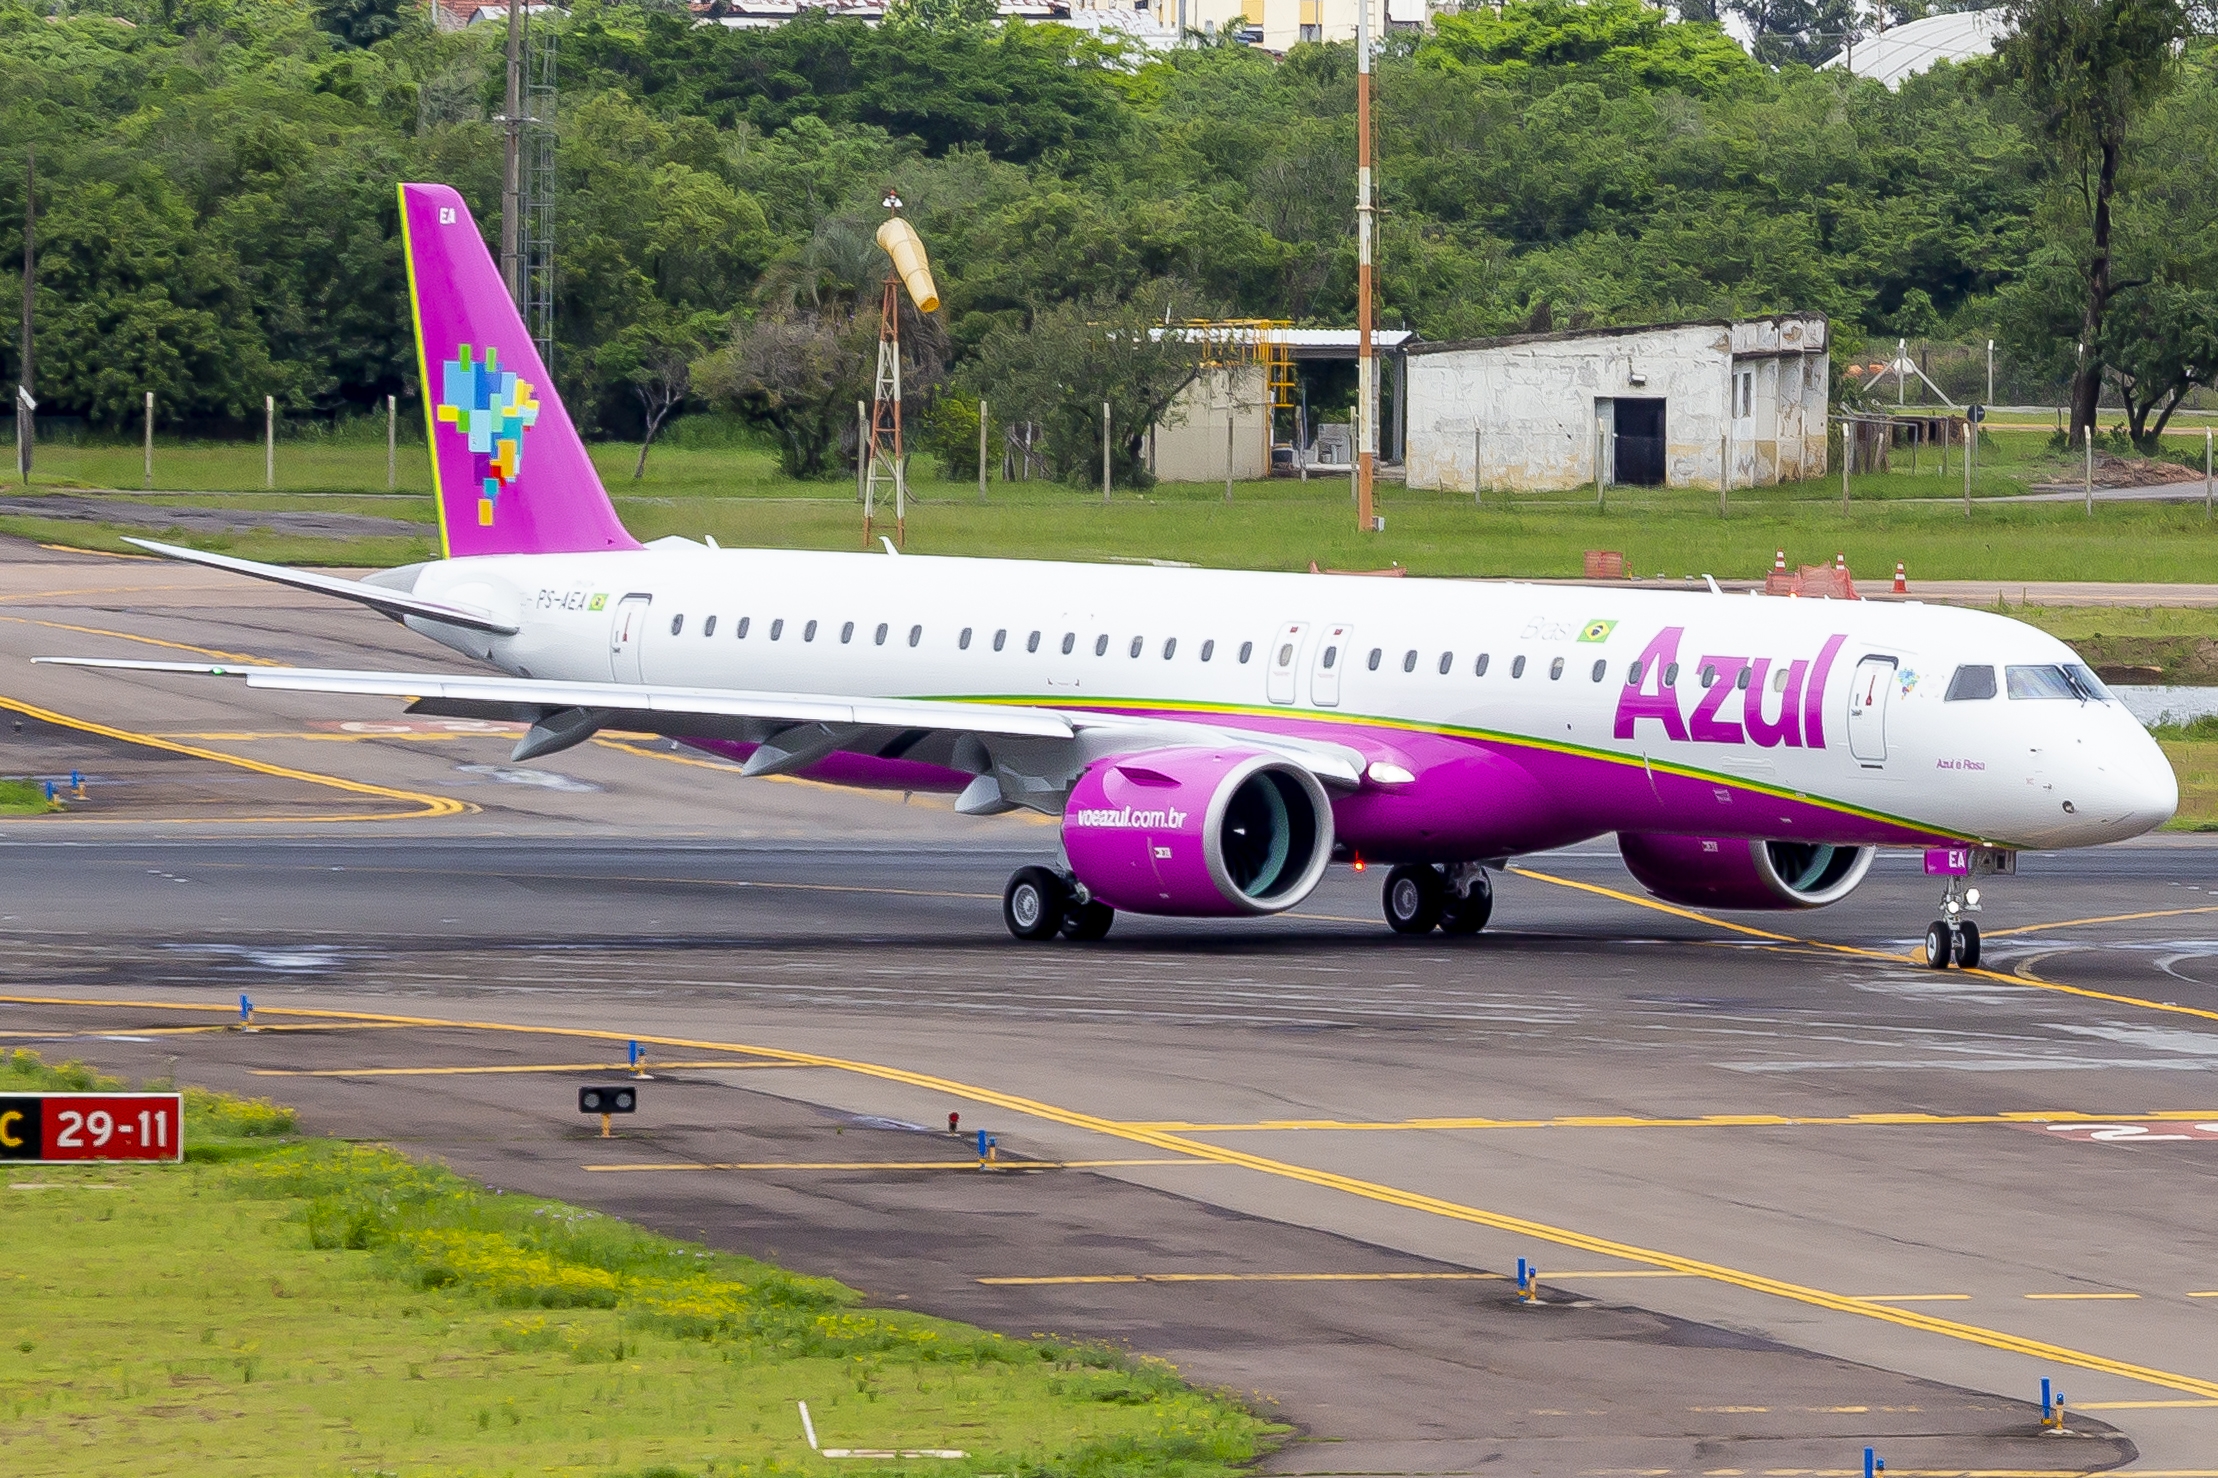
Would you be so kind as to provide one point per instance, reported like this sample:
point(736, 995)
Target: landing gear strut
point(1420, 897)
point(1040, 903)
point(1954, 938)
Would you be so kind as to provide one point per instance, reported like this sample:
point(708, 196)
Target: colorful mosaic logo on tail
point(492, 409)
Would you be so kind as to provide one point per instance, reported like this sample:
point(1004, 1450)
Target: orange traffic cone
point(1902, 584)
point(1779, 563)
point(1840, 561)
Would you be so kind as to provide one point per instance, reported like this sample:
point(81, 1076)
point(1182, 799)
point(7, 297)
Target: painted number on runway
point(64, 1127)
point(2133, 1133)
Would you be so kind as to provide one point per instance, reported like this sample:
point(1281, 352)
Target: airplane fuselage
point(1493, 718)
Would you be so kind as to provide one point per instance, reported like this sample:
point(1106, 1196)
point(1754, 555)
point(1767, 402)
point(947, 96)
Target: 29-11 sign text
point(62, 1127)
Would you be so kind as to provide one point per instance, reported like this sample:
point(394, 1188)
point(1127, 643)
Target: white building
point(1670, 405)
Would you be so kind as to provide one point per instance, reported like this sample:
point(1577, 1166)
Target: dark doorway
point(1640, 442)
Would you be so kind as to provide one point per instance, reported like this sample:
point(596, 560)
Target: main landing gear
point(1040, 903)
point(1420, 897)
point(1954, 938)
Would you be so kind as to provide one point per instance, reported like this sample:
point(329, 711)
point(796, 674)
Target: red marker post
point(65, 1128)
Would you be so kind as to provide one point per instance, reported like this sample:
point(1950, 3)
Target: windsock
point(900, 241)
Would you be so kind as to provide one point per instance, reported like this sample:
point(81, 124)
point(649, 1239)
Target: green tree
point(1058, 370)
point(2088, 70)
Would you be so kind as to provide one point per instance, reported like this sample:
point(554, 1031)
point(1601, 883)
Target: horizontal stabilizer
point(376, 597)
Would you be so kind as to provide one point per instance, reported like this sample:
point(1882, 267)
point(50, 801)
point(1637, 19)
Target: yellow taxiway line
point(1696, 1121)
point(1354, 1186)
point(621, 1068)
point(1425, 1277)
point(972, 1164)
point(2031, 982)
point(428, 806)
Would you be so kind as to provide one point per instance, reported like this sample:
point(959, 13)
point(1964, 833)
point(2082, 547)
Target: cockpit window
point(2090, 686)
point(2042, 681)
point(1972, 681)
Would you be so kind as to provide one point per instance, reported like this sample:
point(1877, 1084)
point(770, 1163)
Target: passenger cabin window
point(1971, 681)
point(1409, 660)
point(846, 633)
point(1170, 647)
point(1208, 649)
point(708, 627)
point(1447, 660)
point(808, 632)
point(2038, 682)
point(916, 634)
point(1000, 638)
point(1709, 675)
point(1247, 650)
point(677, 624)
point(1779, 678)
point(1599, 668)
point(1332, 655)
point(1517, 667)
point(1555, 670)
point(1032, 642)
point(777, 628)
point(1671, 675)
point(962, 643)
point(1740, 679)
point(880, 637)
point(1376, 654)
point(1632, 674)
point(1137, 643)
point(744, 622)
point(1480, 669)
point(1070, 642)
point(1101, 645)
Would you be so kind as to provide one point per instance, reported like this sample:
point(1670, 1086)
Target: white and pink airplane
point(1213, 740)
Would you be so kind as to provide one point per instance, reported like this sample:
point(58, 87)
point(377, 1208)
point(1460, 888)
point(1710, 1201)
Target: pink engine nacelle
point(1734, 872)
point(1198, 832)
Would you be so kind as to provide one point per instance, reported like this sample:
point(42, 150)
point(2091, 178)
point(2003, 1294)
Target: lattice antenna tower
point(538, 244)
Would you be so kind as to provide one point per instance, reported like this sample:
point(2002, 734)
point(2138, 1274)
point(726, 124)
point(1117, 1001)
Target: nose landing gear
point(1954, 938)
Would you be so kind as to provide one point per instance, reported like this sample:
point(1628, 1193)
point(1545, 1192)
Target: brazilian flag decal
point(1598, 631)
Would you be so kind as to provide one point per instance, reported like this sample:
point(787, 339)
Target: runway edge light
point(1874, 1464)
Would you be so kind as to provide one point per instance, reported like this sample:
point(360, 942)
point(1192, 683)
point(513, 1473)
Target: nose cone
point(2133, 790)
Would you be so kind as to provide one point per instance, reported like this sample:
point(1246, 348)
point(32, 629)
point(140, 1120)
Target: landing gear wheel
point(1967, 945)
point(1415, 898)
point(1086, 922)
point(1034, 903)
point(1938, 945)
point(1468, 914)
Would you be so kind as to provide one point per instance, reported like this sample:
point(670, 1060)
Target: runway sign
point(58, 1128)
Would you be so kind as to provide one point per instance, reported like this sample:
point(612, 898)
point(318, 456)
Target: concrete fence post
point(392, 442)
point(1105, 451)
point(150, 441)
point(982, 414)
point(269, 441)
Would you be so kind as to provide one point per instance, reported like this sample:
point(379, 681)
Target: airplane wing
point(1021, 754)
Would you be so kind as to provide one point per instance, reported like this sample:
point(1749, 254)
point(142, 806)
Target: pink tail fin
point(509, 471)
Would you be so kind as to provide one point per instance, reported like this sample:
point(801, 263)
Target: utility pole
point(512, 161)
point(1366, 366)
point(25, 404)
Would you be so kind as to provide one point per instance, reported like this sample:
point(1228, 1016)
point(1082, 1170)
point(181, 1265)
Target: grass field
point(24, 798)
point(302, 1307)
point(733, 492)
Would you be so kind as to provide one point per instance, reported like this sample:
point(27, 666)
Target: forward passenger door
point(1867, 710)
